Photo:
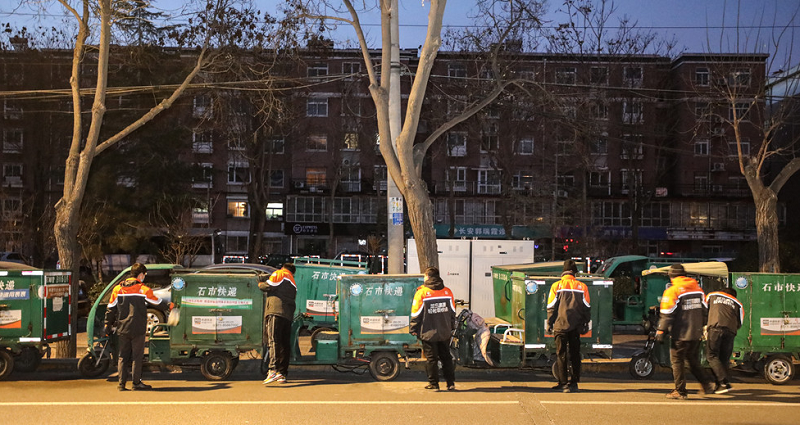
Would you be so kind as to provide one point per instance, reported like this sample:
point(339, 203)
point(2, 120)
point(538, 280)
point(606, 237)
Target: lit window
point(238, 209)
point(274, 211)
point(317, 143)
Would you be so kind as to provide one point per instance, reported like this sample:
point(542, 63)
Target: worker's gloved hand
point(171, 306)
point(584, 328)
point(660, 336)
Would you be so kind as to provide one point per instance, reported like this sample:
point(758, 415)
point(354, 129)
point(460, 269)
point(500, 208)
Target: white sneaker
point(271, 377)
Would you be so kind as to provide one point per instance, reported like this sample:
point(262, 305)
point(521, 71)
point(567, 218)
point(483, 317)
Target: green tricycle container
point(770, 335)
point(316, 289)
point(507, 304)
point(34, 312)
point(521, 304)
point(220, 315)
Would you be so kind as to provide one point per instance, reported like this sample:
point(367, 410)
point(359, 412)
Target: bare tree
point(754, 109)
point(404, 160)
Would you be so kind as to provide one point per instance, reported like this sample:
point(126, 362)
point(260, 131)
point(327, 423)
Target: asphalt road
point(328, 397)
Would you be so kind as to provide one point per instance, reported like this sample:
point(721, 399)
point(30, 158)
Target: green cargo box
point(770, 335)
point(316, 289)
point(34, 312)
point(521, 301)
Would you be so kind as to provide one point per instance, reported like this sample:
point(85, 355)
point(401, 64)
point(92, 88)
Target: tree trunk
point(767, 230)
point(66, 233)
point(420, 216)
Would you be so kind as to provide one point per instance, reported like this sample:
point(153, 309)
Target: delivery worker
point(725, 317)
point(568, 316)
point(279, 308)
point(433, 314)
point(683, 315)
point(127, 312)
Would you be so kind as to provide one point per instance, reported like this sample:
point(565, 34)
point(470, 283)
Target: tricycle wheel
point(384, 366)
point(778, 369)
point(569, 370)
point(216, 366)
point(154, 317)
point(320, 333)
point(90, 368)
point(28, 359)
point(6, 364)
point(641, 366)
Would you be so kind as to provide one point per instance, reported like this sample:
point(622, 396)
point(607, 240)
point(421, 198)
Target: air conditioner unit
point(718, 166)
point(562, 193)
point(346, 162)
point(717, 188)
point(718, 131)
point(299, 184)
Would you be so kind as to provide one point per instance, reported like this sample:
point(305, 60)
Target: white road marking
point(682, 403)
point(249, 403)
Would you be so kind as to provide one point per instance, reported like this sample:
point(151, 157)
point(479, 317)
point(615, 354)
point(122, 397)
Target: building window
point(351, 68)
point(489, 139)
point(11, 111)
point(565, 75)
point(632, 76)
point(493, 112)
point(238, 172)
point(522, 180)
point(456, 70)
point(734, 151)
point(739, 111)
point(12, 175)
point(631, 179)
point(600, 179)
point(202, 106)
point(12, 140)
point(701, 183)
point(276, 179)
point(369, 210)
point(351, 179)
point(202, 141)
point(701, 76)
point(343, 211)
point(350, 141)
point(525, 146)
point(701, 148)
point(316, 177)
point(317, 107)
point(204, 175)
point(456, 143)
point(632, 146)
point(632, 112)
point(599, 110)
point(12, 208)
point(599, 146)
point(317, 143)
point(317, 70)
point(739, 78)
point(379, 175)
point(456, 179)
point(488, 182)
point(598, 76)
point(565, 180)
point(656, 214)
point(701, 111)
point(564, 147)
point(200, 214)
point(238, 208)
point(274, 211)
point(306, 209)
point(275, 146)
point(236, 243)
point(611, 213)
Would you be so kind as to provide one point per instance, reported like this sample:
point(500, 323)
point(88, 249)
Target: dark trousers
point(680, 353)
point(279, 330)
point(719, 348)
point(436, 351)
point(568, 344)
point(131, 354)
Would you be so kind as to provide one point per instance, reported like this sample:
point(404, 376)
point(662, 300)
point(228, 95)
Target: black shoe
point(121, 387)
point(432, 387)
point(141, 386)
point(451, 387)
point(557, 387)
point(573, 388)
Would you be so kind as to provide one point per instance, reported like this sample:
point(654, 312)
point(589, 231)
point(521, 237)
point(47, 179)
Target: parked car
point(262, 268)
point(13, 257)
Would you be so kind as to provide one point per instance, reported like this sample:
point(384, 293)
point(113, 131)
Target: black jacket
point(281, 293)
point(724, 311)
point(568, 306)
point(433, 311)
point(127, 308)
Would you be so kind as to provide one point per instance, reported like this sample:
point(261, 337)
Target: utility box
point(466, 266)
